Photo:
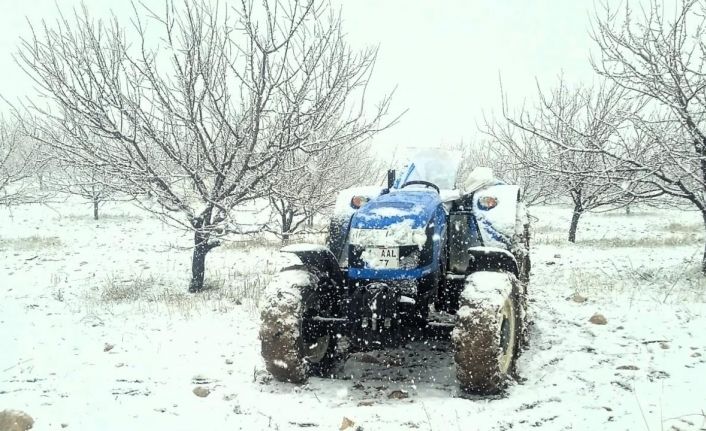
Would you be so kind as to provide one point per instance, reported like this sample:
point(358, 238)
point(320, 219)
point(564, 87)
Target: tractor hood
point(413, 208)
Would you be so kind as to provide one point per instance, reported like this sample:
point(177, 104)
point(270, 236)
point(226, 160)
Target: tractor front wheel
point(487, 335)
point(293, 345)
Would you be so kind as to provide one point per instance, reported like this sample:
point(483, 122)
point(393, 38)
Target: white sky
point(444, 57)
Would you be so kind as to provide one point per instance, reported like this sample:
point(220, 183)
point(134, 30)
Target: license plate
point(382, 257)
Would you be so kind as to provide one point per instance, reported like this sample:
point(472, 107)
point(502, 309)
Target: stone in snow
point(346, 423)
point(201, 391)
point(15, 420)
point(578, 298)
point(598, 319)
point(398, 394)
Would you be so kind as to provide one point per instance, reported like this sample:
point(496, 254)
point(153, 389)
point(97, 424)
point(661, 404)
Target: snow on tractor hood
point(396, 218)
point(396, 206)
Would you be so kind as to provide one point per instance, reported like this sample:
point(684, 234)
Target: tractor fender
point(492, 259)
point(337, 238)
point(319, 258)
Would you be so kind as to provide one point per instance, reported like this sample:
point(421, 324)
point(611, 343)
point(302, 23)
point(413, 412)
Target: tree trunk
point(286, 226)
point(95, 209)
point(198, 264)
point(574, 223)
point(202, 234)
point(703, 259)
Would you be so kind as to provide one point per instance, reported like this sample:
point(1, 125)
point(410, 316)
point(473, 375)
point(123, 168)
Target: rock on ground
point(201, 391)
point(15, 420)
point(598, 319)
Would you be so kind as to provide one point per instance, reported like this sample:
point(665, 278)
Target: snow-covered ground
point(97, 332)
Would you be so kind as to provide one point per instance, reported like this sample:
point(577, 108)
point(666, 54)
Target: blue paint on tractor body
point(395, 207)
point(389, 274)
point(421, 208)
point(494, 234)
point(425, 210)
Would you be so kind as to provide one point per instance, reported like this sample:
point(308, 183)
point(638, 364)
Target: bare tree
point(200, 119)
point(552, 141)
point(87, 182)
point(307, 185)
point(19, 163)
point(661, 59)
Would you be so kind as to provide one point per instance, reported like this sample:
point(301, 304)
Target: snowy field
point(97, 333)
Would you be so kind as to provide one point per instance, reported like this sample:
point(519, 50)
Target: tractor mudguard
point(319, 258)
point(492, 259)
point(338, 238)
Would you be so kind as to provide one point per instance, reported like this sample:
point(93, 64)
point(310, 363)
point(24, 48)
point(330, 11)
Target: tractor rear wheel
point(487, 335)
point(293, 345)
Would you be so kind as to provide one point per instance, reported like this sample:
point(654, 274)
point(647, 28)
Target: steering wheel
point(422, 183)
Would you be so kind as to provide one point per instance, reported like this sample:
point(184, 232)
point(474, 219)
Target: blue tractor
point(428, 241)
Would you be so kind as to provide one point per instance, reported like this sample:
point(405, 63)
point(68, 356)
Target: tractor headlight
point(487, 202)
point(358, 201)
